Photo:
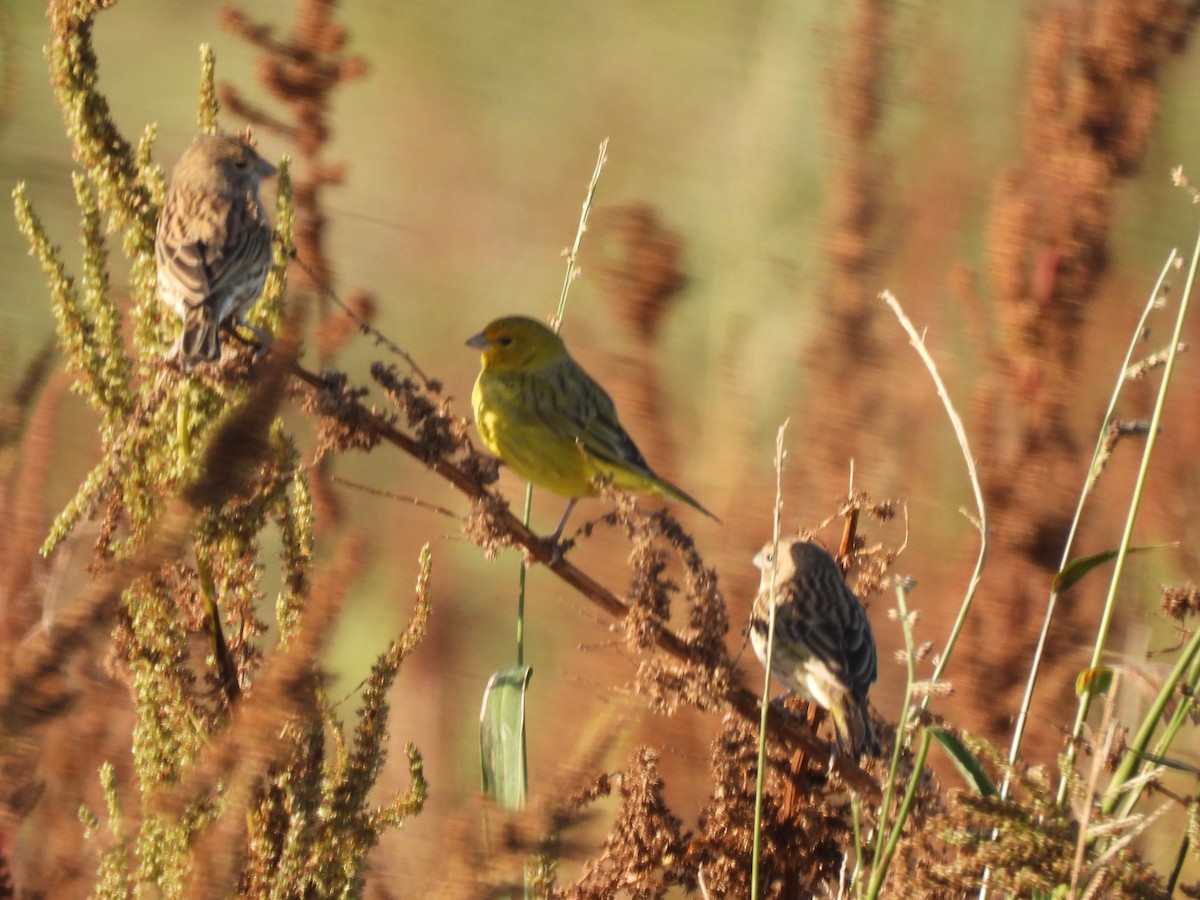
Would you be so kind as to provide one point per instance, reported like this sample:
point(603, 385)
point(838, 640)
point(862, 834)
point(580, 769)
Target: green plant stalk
point(1182, 854)
point(522, 577)
point(571, 274)
point(568, 279)
point(521, 582)
point(1138, 746)
point(879, 871)
point(1110, 603)
point(761, 776)
point(1184, 708)
point(882, 856)
point(856, 830)
point(226, 669)
point(1035, 667)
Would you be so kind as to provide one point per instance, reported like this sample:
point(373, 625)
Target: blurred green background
point(468, 147)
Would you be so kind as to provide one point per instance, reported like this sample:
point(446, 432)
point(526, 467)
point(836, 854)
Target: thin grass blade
point(966, 763)
point(1072, 572)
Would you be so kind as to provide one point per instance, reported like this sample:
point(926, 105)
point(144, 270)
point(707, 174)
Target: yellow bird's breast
point(512, 430)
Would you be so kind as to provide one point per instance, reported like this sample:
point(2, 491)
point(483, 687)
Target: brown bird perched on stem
point(824, 650)
point(213, 244)
point(543, 415)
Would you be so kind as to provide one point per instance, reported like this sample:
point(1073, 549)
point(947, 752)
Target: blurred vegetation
point(772, 167)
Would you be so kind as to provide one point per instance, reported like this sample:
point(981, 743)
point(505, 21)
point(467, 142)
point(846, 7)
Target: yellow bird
point(544, 416)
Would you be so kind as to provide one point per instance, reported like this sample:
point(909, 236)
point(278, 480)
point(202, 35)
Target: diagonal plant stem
point(1110, 603)
point(1022, 719)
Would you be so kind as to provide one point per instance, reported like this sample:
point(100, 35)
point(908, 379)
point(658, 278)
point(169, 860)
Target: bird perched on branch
point(544, 416)
point(823, 648)
point(213, 244)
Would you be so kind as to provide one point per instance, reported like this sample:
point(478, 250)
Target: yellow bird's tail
point(666, 489)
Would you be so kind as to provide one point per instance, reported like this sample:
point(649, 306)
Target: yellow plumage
point(545, 417)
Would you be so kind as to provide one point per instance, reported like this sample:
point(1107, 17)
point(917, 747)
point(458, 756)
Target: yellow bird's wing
point(590, 418)
point(570, 405)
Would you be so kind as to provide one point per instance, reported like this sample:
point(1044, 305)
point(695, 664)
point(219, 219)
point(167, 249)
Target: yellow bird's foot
point(555, 549)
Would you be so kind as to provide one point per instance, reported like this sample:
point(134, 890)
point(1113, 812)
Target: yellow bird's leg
point(556, 549)
point(562, 523)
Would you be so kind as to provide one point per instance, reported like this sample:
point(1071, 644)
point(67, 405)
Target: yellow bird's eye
point(504, 340)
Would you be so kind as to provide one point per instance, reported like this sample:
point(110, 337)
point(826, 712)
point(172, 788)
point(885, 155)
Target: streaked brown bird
point(213, 245)
point(824, 650)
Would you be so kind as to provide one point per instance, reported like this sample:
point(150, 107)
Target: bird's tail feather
point(677, 493)
point(201, 341)
point(852, 729)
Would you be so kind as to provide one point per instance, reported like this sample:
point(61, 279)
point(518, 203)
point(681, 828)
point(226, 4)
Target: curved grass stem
point(981, 523)
point(886, 850)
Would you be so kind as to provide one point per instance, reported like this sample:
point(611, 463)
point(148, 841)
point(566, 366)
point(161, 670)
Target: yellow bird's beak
point(479, 342)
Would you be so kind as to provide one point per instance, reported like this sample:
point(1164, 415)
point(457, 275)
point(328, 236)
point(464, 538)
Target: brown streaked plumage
point(824, 649)
point(213, 244)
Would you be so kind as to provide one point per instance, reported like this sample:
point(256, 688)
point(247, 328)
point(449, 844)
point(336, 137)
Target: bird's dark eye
point(242, 163)
point(504, 340)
